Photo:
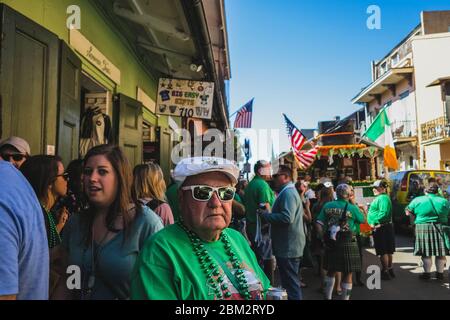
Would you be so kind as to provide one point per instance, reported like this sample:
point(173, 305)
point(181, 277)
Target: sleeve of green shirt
point(150, 281)
point(358, 217)
point(378, 211)
point(412, 206)
point(266, 195)
point(321, 217)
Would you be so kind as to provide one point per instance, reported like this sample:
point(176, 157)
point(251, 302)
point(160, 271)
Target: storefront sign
point(93, 55)
point(185, 98)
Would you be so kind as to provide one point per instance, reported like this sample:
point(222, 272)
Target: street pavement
point(406, 285)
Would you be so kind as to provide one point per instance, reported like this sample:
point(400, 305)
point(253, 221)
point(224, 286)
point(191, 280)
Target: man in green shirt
point(258, 192)
point(200, 258)
point(430, 211)
point(379, 218)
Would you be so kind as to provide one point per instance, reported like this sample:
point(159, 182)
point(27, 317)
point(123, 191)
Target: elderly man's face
point(206, 216)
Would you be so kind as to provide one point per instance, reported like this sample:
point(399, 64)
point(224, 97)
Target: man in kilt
point(379, 218)
point(341, 255)
point(430, 212)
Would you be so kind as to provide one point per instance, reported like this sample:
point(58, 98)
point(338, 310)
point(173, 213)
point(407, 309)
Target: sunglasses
point(65, 176)
point(204, 193)
point(14, 156)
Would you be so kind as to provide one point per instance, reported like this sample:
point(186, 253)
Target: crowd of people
point(208, 235)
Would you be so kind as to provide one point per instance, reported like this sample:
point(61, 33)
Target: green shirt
point(424, 211)
point(174, 202)
point(380, 210)
point(168, 269)
point(332, 211)
point(258, 191)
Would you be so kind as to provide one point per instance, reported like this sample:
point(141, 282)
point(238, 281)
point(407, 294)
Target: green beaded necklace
point(53, 236)
point(211, 269)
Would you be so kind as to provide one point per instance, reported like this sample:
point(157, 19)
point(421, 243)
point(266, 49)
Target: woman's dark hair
point(75, 170)
point(121, 204)
point(41, 172)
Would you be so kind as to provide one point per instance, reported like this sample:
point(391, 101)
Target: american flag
point(305, 158)
point(244, 116)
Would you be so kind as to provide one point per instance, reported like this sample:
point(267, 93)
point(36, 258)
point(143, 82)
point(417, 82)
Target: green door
point(69, 104)
point(128, 117)
point(28, 81)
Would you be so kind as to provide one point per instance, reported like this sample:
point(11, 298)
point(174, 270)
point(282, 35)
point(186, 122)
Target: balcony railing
point(404, 129)
point(435, 129)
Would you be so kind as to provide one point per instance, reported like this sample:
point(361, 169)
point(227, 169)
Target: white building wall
point(431, 61)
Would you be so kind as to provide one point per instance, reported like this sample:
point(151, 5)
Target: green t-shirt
point(258, 191)
point(424, 212)
point(380, 210)
point(174, 202)
point(168, 269)
point(332, 211)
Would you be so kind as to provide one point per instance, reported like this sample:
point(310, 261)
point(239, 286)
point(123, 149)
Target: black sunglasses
point(14, 156)
point(65, 176)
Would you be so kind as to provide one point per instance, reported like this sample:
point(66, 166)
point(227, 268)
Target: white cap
point(197, 165)
point(328, 184)
point(20, 144)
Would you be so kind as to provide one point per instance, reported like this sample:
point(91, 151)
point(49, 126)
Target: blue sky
point(308, 58)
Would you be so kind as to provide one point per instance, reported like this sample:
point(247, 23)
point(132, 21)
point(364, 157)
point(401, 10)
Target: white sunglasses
point(204, 193)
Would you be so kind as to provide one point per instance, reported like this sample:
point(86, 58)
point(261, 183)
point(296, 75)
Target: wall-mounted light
point(196, 68)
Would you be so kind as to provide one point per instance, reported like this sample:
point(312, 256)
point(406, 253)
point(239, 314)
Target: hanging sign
point(185, 98)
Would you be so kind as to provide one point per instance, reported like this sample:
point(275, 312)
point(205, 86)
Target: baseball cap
point(380, 184)
point(327, 184)
point(20, 144)
point(193, 166)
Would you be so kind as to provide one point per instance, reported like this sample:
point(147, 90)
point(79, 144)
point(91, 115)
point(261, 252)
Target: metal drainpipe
point(206, 44)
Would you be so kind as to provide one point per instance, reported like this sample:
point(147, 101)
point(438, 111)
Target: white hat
point(20, 144)
point(197, 165)
point(328, 184)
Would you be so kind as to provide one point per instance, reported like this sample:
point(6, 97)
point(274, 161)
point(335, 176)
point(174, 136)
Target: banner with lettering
point(185, 98)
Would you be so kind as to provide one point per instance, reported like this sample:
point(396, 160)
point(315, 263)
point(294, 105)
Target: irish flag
point(380, 132)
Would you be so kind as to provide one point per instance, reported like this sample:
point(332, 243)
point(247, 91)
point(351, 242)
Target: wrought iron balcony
point(435, 129)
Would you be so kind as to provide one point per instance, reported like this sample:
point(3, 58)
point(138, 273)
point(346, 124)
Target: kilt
point(344, 257)
point(384, 239)
point(430, 241)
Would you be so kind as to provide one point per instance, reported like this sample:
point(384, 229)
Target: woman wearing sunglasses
point(49, 181)
point(200, 258)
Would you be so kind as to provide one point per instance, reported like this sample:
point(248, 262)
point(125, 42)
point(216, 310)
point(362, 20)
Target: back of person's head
point(75, 171)
point(431, 180)
point(285, 170)
point(343, 191)
point(326, 195)
point(41, 171)
point(259, 165)
point(433, 188)
point(148, 182)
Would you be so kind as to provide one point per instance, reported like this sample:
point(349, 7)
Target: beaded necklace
point(211, 269)
point(53, 236)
